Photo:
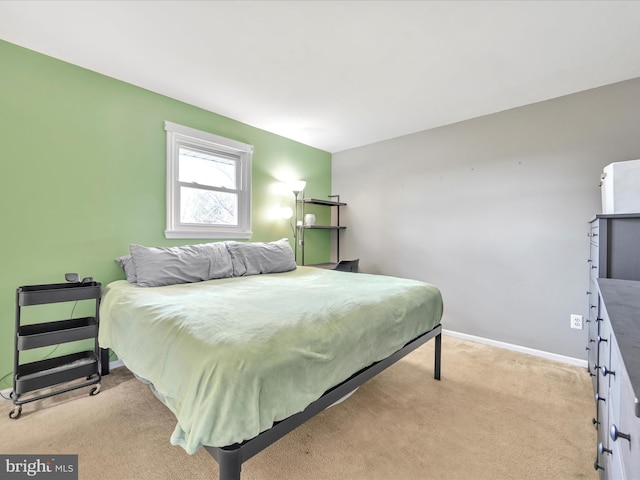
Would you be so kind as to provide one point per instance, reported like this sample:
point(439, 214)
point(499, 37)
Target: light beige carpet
point(494, 415)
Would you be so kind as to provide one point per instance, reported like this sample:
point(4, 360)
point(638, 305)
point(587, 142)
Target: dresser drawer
point(592, 332)
point(594, 247)
point(603, 341)
point(593, 262)
point(594, 232)
point(608, 377)
point(592, 362)
point(595, 305)
point(627, 424)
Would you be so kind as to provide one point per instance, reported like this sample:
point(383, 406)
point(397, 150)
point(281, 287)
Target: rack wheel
point(95, 390)
point(16, 412)
point(11, 395)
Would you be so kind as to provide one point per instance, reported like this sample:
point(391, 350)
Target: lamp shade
point(285, 212)
point(297, 186)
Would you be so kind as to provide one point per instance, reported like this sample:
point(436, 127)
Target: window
point(208, 185)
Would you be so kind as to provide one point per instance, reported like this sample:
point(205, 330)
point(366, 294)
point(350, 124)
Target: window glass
point(206, 169)
point(208, 185)
point(208, 207)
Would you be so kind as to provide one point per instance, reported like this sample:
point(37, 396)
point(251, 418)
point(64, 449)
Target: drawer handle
point(595, 422)
point(594, 266)
point(602, 449)
point(597, 319)
point(591, 340)
point(606, 371)
point(615, 434)
point(597, 466)
point(600, 339)
point(593, 306)
point(602, 399)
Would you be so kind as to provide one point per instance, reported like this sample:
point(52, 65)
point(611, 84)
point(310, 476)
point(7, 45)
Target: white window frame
point(181, 136)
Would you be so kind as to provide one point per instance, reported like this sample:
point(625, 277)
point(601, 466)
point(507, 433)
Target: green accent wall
point(83, 176)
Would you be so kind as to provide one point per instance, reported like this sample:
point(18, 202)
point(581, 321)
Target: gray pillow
point(157, 266)
point(262, 257)
point(237, 263)
point(126, 264)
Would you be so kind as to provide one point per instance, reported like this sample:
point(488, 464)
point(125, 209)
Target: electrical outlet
point(576, 321)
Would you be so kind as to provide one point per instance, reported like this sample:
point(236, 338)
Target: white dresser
point(614, 268)
point(616, 350)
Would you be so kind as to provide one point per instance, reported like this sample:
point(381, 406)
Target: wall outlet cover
point(576, 321)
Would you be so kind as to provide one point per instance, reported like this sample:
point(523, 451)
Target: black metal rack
point(29, 377)
point(336, 227)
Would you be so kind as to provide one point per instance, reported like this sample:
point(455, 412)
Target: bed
point(243, 360)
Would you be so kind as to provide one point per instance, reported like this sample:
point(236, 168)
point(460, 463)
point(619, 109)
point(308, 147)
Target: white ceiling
point(341, 74)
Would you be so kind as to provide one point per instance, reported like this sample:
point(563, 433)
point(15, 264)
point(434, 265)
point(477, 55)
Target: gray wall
point(493, 211)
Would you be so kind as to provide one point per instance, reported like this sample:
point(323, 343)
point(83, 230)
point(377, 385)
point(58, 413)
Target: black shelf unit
point(335, 227)
point(55, 371)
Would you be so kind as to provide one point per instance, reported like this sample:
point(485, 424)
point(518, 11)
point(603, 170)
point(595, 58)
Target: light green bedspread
point(232, 356)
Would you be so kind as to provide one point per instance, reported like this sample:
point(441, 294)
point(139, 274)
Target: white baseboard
point(115, 364)
point(517, 348)
point(5, 393)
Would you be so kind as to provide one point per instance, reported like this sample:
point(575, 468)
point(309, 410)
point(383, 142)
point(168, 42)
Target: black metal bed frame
point(231, 458)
